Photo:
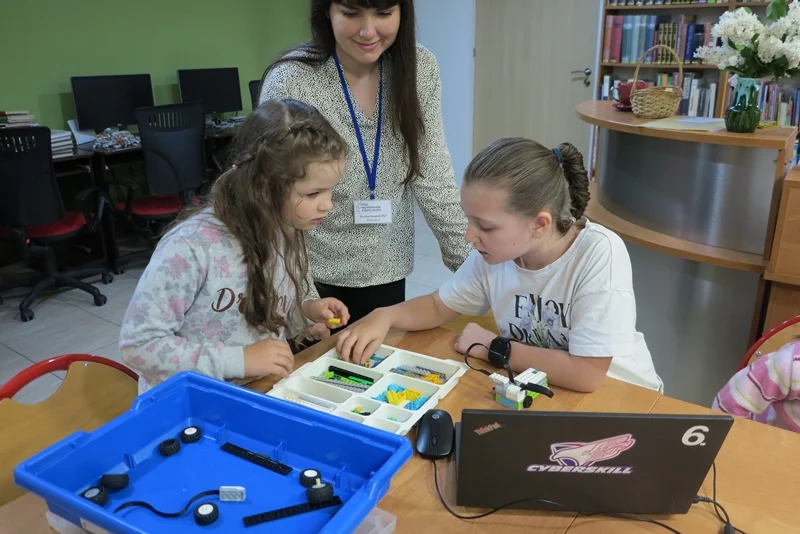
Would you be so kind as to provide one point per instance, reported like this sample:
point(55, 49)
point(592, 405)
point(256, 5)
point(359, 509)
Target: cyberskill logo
point(581, 457)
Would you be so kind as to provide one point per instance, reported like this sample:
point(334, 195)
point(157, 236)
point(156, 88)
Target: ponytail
point(577, 179)
point(536, 178)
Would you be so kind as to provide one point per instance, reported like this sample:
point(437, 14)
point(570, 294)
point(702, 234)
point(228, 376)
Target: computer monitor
point(219, 89)
point(107, 101)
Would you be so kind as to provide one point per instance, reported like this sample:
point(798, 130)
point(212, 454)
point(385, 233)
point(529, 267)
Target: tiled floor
point(69, 322)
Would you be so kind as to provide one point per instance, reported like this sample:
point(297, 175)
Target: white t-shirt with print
point(582, 303)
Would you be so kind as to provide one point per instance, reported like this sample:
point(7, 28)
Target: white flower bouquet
point(745, 46)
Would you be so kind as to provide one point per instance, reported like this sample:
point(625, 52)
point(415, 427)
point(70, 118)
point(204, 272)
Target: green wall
point(44, 42)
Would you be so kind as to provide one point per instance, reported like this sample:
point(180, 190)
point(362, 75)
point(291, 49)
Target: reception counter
point(698, 211)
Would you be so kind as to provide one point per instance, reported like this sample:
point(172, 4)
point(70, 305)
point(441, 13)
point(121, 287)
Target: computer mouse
point(435, 435)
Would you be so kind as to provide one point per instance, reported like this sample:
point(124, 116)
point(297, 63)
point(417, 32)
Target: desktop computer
point(109, 101)
point(218, 89)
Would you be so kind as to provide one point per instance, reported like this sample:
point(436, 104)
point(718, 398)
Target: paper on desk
point(704, 124)
point(81, 136)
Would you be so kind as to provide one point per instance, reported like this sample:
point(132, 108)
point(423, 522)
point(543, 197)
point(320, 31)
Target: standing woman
point(364, 71)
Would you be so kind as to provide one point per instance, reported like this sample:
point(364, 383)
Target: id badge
point(373, 211)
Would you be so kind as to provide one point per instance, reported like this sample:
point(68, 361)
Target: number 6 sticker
point(695, 436)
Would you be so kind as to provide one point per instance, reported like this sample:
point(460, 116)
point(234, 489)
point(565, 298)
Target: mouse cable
point(722, 514)
point(544, 501)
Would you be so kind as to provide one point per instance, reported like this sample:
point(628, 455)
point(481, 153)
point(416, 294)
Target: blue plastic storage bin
point(358, 460)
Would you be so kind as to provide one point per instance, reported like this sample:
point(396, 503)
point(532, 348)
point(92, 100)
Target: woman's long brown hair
point(271, 151)
point(405, 109)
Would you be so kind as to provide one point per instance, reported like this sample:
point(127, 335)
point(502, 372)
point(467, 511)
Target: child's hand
point(268, 357)
point(317, 332)
point(323, 310)
point(474, 333)
point(359, 342)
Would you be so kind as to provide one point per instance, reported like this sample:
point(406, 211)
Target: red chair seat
point(154, 205)
point(72, 222)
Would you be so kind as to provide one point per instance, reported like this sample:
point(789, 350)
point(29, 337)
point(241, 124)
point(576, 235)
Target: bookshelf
point(678, 14)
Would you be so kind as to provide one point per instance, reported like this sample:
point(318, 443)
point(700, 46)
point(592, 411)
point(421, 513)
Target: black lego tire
point(191, 434)
point(308, 477)
point(527, 401)
point(96, 494)
point(115, 482)
point(319, 493)
point(206, 513)
point(168, 447)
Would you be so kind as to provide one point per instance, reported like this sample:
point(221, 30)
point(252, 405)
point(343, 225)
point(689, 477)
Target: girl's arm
point(167, 289)
point(563, 369)
point(360, 342)
point(464, 292)
point(771, 378)
point(436, 190)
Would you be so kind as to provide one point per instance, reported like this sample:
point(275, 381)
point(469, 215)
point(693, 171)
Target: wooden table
point(758, 476)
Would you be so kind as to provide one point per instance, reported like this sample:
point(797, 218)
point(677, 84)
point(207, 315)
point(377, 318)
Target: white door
point(529, 69)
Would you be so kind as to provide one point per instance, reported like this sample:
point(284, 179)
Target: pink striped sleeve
point(772, 378)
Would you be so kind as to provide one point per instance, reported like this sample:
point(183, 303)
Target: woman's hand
point(268, 357)
point(474, 333)
point(323, 310)
point(358, 343)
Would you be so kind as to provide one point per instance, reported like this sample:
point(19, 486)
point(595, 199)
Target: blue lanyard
point(372, 174)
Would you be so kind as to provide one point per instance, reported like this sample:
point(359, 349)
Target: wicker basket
point(657, 102)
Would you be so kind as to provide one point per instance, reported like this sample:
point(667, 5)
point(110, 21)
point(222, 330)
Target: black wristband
point(500, 352)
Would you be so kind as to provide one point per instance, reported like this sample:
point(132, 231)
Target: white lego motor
point(512, 395)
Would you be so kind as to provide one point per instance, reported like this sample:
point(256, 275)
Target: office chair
point(32, 214)
point(174, 164)
point(254, 92)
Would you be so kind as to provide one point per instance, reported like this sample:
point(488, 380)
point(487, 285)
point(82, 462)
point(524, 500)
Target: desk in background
point(758, 479)
point(698, 211)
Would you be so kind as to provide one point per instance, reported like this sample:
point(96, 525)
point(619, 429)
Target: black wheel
point(26, 316)
point(526, 403)
point(319, 492)
point(96, 494)
point(206, 513)
point(108, 278)
point(100, 300)
point(308, 477)
point(168, 447)
point(115, 482)
point(191, 434)
point(118, 270)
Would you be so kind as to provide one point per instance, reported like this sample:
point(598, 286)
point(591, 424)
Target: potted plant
point(754, 52)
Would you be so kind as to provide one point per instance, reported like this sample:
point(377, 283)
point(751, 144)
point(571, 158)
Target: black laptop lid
point(635, 463)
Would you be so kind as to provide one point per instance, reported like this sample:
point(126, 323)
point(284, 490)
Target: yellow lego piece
point(334, 320)
point(395, 398)
point(412, 395)
point(433, 377)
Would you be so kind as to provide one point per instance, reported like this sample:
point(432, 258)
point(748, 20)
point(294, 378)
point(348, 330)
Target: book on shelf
point(617, 3)
point(697, 99)
point(627, 37)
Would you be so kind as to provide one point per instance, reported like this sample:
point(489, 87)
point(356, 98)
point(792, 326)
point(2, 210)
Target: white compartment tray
point(364, 404)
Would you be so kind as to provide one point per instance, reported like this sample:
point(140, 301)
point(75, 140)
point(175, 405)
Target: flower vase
point(744, 115)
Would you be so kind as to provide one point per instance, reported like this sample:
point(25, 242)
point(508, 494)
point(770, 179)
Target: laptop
point(588, 462)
